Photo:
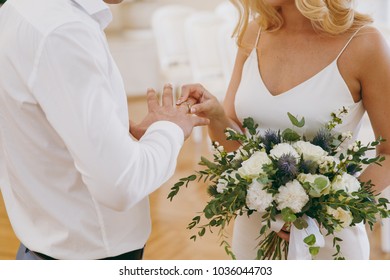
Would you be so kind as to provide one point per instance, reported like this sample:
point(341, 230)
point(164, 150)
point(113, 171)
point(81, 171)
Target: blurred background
point(186, 41)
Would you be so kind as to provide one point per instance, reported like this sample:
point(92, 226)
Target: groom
point(75, 183)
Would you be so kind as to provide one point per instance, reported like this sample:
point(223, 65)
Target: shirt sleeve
point(71, 82)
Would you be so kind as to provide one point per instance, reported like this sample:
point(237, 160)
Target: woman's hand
point(167, 112)
point(284, 233)
point(206, 105)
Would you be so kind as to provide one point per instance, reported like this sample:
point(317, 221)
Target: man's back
point(74, 183)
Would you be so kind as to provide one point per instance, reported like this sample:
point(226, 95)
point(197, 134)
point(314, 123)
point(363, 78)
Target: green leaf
point(250, 125)
point(288, 215)
point(310, 240)
point(209, 164)
point(300, 223)
point(314, 250)
point(202, 232)
point(295, 121)
point(290, 135)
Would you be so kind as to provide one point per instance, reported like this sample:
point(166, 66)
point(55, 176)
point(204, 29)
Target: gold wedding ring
point(188, 106)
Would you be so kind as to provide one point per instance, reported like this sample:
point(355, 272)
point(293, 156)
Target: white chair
point(136, 57)
point(226, 43)
point(168, 28)
point(202, 29)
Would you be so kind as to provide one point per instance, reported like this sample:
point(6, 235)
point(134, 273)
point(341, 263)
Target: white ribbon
point(298, 249)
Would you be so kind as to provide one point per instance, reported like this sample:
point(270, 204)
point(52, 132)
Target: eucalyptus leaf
point(295, 121)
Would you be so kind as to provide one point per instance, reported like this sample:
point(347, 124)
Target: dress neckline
point(254, 53)
point(288, 91)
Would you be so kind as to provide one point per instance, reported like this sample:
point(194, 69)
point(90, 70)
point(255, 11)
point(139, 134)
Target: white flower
point(252, 167)
point(319, 184)
point(257, 198)
point(347, 135)
point(346, 182)
point(283, 149)
point(240, 153)
point(344, 216)
point(226, 177)
point(293, 196)
point(221, 185)
point(309, 151)
point(232, 175)
point(327, 163)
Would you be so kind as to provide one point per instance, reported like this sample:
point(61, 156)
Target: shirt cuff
point(173, 130)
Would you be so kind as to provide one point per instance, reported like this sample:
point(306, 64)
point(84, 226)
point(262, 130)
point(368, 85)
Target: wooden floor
point(170, 238)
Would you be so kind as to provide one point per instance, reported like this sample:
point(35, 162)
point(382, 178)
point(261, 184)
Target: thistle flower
point(270, 139)
point(308, 166)
point(287, 166)
point(324, 140)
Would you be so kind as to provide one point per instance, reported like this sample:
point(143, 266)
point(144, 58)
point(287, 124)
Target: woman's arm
point(374, 76)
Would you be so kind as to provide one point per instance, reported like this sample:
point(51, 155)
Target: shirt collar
point(98, 10)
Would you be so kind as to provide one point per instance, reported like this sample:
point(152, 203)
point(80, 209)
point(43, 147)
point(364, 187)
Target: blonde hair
point(331, 17)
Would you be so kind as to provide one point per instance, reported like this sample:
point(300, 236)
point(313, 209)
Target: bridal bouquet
point(309, 185)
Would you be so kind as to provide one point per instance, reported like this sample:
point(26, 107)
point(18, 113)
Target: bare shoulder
point(370, 45)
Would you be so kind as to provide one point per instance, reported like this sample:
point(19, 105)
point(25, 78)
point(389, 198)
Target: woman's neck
point(294, 21)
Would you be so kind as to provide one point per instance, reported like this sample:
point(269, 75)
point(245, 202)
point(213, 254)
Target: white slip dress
point(315, 99)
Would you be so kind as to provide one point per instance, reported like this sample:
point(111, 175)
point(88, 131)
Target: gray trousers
point(26, 254)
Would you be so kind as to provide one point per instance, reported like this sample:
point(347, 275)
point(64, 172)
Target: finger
point(152, 100)
point(201, 108)
point(167, 98)
point(284, 235)
point(184, 107)
point(196, 91)
point(199, 121)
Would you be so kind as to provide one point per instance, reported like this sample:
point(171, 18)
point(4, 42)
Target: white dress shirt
point(75, 183)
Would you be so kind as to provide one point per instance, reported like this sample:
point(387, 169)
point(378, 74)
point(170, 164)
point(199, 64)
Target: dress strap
point(349, 41)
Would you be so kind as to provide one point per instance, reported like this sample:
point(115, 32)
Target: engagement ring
point(188, 106)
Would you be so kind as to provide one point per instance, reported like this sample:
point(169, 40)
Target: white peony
point(309, 151)
point(346, 182)
point(344, 216)
point(319, 184)
point(252, 167)
point(293, 196)
point(283, 149)
point(257, 198)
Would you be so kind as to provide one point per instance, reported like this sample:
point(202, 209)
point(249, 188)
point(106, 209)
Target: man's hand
point(167, 111)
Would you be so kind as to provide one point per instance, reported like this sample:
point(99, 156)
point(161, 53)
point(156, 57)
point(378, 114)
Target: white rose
point(252, 167)
point(292, 196)
point(346, 182)
point(257, 198)
point(283, 149)
point(309, 151)
point(344, 216)
point(319, 184)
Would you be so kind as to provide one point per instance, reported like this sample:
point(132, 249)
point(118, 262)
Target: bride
point(309, 58)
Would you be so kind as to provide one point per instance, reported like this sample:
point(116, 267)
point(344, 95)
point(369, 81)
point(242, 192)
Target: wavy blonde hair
point(332, 17)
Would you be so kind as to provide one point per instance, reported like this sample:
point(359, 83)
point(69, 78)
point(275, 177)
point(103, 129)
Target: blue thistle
point(287, 168)
point(323, 139)
point(308, 166)
point(270, 139)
